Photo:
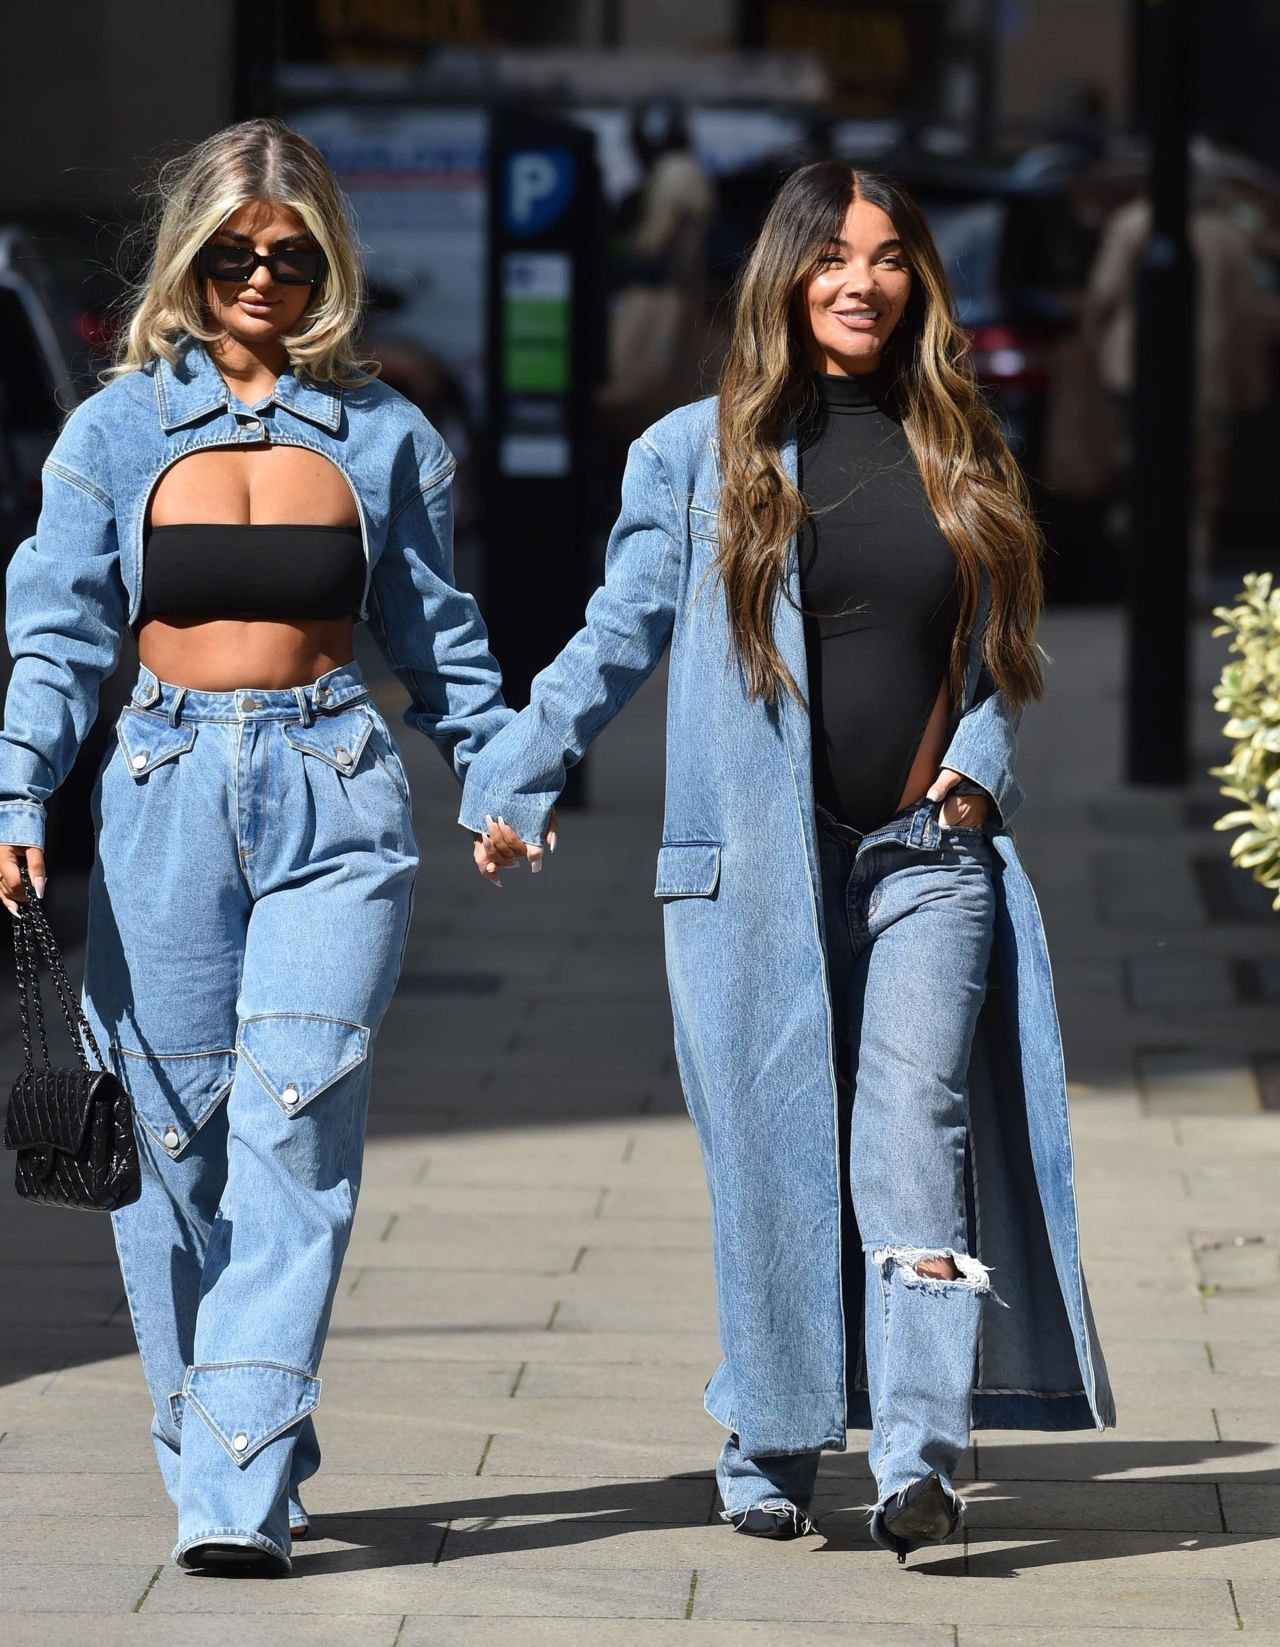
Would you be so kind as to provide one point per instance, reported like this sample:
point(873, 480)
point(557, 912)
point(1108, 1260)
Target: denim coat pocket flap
point(150, 740)
point(338, 740)
point(248, 1403)
point(298, 1055)
point(688, 869)
point(704, 523)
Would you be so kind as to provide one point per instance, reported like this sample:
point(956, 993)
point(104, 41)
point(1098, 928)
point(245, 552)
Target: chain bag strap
point(29, 1002)
point(72, 1129)
point(33, 919)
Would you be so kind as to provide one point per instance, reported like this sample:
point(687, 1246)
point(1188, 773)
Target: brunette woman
point(241, 495)
point(839, 553)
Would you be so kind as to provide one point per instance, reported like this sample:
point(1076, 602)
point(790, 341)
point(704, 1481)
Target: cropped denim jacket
point(75, 587)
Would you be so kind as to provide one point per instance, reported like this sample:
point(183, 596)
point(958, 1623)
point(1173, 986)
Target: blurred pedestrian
point(841, 555)
point(241, 494)
point(657, 306)
point(1230, 360)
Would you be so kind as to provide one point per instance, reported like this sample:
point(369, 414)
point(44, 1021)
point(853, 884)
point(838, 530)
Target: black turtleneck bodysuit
point(880, 598)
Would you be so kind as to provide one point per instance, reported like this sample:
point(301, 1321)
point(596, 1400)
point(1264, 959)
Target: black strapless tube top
point(268, 572)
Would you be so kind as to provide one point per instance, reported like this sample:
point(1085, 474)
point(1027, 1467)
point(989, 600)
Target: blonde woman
point(839, 553)
point(241, 495)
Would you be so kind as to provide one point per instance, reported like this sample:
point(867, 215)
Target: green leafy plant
point(1248, 693)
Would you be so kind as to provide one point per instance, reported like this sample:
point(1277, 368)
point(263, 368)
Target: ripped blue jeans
point(909, 911)
point(248, 913)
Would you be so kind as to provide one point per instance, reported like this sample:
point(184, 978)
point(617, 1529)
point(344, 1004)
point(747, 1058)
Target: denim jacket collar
point(194, 387)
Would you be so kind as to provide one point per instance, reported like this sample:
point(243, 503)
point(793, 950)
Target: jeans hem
point(230, 1535)
point(784, 1506)
point(885, 1499)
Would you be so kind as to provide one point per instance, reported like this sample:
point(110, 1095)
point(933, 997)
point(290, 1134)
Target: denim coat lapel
point(788, 633)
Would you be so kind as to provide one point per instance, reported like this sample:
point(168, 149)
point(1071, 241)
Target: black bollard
point(1163, 401)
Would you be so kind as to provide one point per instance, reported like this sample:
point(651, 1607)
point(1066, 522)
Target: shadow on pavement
point(513, 1522)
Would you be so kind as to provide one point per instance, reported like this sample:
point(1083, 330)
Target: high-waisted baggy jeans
point(248, 913)
point(909, 910)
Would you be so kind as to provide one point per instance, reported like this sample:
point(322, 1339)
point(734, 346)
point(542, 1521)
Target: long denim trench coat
point(738, 877)
point(74, 588)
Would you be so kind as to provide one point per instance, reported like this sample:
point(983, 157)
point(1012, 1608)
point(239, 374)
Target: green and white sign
point(537, 290)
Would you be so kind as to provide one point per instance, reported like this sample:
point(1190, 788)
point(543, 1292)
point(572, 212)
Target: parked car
point(1019, 255)
point(36, 390)
point(1018, 258)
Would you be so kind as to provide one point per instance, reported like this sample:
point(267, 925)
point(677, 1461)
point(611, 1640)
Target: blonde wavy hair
point(973, 484)
point(195, 195)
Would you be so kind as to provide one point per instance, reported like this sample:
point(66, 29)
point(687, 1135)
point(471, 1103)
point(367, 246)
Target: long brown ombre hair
point(973, 484)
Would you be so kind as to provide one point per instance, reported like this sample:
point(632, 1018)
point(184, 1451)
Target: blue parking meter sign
point(545, 305)
point(538, 186)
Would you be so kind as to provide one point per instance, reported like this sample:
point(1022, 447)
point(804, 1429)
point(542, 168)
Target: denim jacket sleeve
point(66, 610)
point(628, 623)
point(984, 744)
point(430, 632)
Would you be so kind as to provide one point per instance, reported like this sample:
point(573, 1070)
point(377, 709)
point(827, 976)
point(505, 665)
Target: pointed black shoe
point(778, 1522)
point(923, 1513)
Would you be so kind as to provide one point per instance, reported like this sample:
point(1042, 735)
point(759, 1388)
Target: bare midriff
point(259, 486)
point(930, 750)
point(224, 654)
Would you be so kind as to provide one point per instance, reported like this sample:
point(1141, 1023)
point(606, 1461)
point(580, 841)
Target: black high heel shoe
point(923, 1513)
point(779, 1521)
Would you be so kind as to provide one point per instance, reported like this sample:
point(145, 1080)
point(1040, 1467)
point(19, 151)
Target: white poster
point(418, 181)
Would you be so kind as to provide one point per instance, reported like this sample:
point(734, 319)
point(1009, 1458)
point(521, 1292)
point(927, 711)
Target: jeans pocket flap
point(338, 740)
point(174, 1093)
point(150, 740)
point(688, 869)
point(297, 1055)
point(246, 1404)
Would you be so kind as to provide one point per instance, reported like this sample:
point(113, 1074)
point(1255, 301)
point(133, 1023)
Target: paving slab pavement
point(515, 1446)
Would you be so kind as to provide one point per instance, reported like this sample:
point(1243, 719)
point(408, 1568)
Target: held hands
point(500, 847)
point(958, 811)
point(11, 890)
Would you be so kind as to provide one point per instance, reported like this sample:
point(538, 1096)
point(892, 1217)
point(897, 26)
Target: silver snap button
point(171, 1139)
point(322, 694)
point(250, 704)
point(140, 760)
point(342, 756)
point(291, 1095)
point(240, 1442)
point(253, 423)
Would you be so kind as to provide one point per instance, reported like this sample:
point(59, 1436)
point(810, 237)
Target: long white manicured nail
point(39, 882)
point(551, 841)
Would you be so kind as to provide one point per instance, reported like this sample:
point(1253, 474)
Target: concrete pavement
point(515, 1446)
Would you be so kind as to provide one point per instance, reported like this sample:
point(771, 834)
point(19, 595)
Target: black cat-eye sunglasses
point(301, 266)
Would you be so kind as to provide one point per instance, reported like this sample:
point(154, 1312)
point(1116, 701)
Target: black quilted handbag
point(72, 1129)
